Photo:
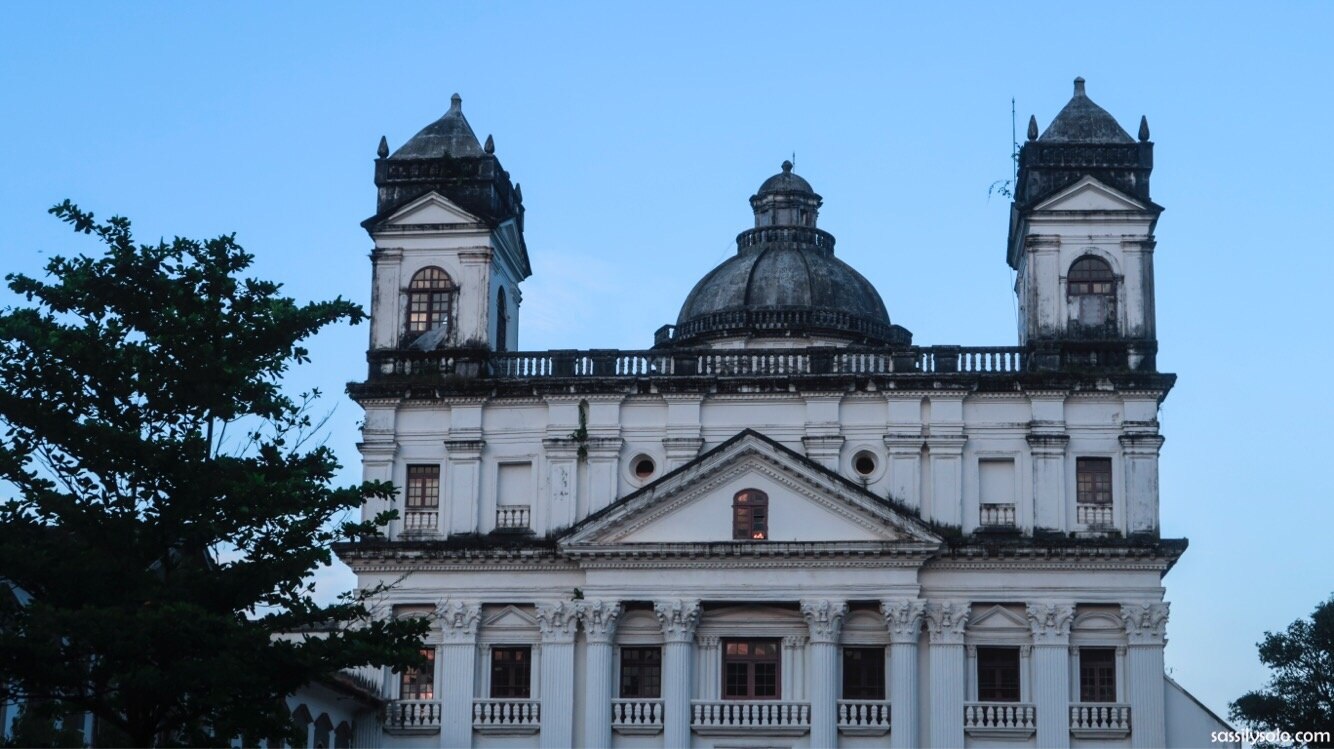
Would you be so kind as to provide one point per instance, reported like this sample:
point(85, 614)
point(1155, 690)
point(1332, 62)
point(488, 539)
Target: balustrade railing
point(413, 716)
point(742, 716)
point(511, 517)
point(1100, 719)
point(997, 515)
point(999, 718)
point(866, 717)
point(1094, 515)
point(421, 522)
point(636, 715)
point(502, 716)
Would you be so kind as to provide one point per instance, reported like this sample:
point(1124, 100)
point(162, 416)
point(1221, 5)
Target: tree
point(1300, 693)
point(168, 509)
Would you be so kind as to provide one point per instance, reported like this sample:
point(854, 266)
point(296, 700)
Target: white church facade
point(785, 523)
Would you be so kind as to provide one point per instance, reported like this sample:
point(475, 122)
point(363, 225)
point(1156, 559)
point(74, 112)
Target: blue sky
point(638, 132)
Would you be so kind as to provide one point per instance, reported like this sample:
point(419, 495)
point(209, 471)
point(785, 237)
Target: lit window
point(419, 683)
point(511, 672)
point(863, 673)
point(1097, 675)
point(423, 486)
point(750, 670)
point(750, 515)
point(998, 674)
point(1093, 481)
point(429, 296)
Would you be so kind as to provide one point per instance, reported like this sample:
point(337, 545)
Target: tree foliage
point(166, 510)
point(1300, 693)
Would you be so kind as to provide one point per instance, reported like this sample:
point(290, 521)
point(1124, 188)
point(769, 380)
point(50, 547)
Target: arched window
point(750, 515)
point(1091, 286)
point(502, 320)
point(429, 297)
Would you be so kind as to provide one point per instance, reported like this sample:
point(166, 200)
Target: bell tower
point(1081, 232)
point(449, 249)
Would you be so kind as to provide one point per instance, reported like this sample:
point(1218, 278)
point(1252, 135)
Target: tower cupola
point(786, 200)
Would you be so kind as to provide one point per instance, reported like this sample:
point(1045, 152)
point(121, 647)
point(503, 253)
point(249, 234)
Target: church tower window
point(502, 321)
point(1091, 286)
point(429, 296)
point(750, 515)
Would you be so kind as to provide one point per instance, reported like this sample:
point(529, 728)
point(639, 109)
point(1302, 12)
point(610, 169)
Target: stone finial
point(1032, 127)
point(1079, 87)
point(383, 150)
point(518, 192)
point(1143, 128)
point(787, 167)
point(490, 146)
point(456, 103)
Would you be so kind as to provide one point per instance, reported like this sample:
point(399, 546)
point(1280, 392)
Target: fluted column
point(678, 619)
point(945, 622)
point(557, 622)
point(599, 618)
point(903, 617)
point(825, 620)
point(1050, 623)
point(710, 678)
point(1146, 626)
point(457, 656)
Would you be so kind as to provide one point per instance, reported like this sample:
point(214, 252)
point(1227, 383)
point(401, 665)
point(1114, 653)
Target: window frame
point(513, 688)
point(411, 680)
point(1085, 281)
point(1093, 492)
point(866, 687)
point(430, 294)
point(751, 661)
point(1091, 687)
point(750, 515)
point(997, 688)
point(647, 673)
point(422, 491)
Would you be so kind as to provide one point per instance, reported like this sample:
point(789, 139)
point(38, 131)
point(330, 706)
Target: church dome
point(784, 280)
point(1082, 121)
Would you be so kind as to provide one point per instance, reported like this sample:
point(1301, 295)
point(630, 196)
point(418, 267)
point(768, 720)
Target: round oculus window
point(864, 463)
point(643, 467)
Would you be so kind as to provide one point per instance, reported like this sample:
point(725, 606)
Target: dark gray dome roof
point(784, 280)
point(451, 135)
point(1082, 121)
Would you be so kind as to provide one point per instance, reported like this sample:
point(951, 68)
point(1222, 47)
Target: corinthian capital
point(678, 619)
point(1145, 623)
point(599, 618)
point(458, 620)
point(557, 621)
point(825, 619)
point(903, 617)
point(945, 621)
point(1050, 622)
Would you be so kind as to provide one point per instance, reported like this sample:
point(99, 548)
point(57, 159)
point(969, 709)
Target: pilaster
point(681, 450)
point(1048, 450)
point(562, 461)
point(457, 624)
point(377, 464)
point(1140, 452)
point(599, 619)
point(903, 618)
point(1050, 623)
point(1146, 625)
point(824, 618)
point(905, 467)
point(604, 455)
point(557, 622)
point(678, 619)
point(945, 622)
point(463, 484)
point(946, 462)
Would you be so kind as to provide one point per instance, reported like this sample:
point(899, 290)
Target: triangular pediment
point(998, 618)
point(431, 209)
point(694, 504)
point(1088, 194)
point(510, 617)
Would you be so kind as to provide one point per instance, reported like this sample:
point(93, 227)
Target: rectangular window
point(863, 673)
point(419, 683)
point(998, 674)
point(1093, 479)
point(750, 670)
point(423, 487)
point(1097, 675)
point(511, 672)
point(641, 673)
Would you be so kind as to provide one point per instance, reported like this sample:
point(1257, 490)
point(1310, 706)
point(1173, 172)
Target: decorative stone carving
point(903, 617)
point(678, 619)
point(458, 620)
point(1050, 622)
point(825, 619)
point(710, 642)
point(599, 618)
point(1145, 623)
point(557, 621)
point(795, 642)
point(946, 620)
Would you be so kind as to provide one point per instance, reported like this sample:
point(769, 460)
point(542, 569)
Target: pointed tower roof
point(1082, 121)
point(451, 135)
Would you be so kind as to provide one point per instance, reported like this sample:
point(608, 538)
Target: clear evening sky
point(638, 132)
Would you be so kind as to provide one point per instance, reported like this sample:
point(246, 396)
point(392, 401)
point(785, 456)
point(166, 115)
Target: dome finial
point(1032, 127)
point(1143, 128)
point(383, 150)
point(1079, 86)
point(787, 167)
point(490, 146)
point(456, 103)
